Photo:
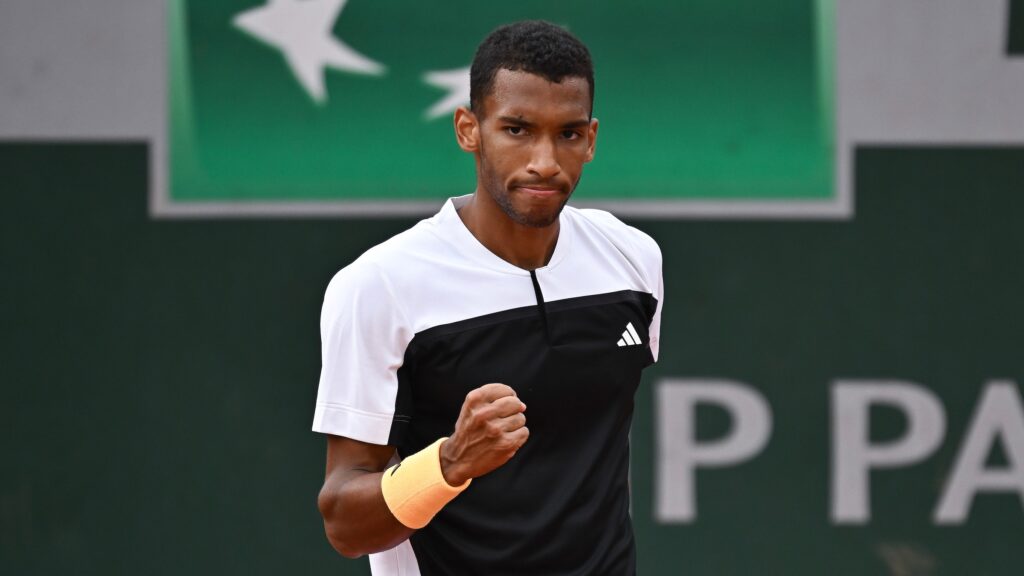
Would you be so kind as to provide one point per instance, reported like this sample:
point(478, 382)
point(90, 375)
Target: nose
point(543, 159)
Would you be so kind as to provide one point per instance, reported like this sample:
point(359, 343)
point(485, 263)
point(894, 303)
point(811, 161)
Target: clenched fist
point(490, 429)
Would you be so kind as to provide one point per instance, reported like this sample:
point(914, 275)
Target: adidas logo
point(630, 337)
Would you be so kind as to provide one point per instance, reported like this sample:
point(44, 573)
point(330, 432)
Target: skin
point(490, 429)
point(530, 141)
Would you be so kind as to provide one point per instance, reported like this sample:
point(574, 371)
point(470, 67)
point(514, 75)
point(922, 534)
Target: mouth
point(539, 190)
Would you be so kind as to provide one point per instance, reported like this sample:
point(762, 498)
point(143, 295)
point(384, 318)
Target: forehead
point(522, 94)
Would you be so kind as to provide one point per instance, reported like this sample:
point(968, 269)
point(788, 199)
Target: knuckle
point(483, 414)
point(501, 390)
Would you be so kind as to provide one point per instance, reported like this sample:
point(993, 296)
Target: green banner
point(349, 101)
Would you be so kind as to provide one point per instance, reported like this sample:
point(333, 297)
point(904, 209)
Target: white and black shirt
point(415, 323)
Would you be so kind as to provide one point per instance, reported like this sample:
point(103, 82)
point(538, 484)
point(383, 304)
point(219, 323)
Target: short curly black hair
point(533, 46)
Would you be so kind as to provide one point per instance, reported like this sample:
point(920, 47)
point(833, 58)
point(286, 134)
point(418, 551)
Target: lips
point(539, 190)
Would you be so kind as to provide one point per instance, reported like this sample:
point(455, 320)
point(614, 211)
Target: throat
point(522, 246)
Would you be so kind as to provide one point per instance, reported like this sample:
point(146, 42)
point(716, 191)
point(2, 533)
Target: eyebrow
point(528, 124)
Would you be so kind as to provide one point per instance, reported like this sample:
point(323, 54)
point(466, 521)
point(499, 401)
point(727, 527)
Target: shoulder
point(632, 242)
point(372, 275)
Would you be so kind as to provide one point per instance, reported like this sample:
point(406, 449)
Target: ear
point(467, 129)
point(592, 133)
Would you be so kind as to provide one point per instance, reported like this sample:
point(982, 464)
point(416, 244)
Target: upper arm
point(364, 334)
point(645, 255)
point(346, 457)
point(658, 291)
point(357, 520)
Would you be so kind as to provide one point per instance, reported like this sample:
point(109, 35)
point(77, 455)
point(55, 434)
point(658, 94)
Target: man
point(494, 348)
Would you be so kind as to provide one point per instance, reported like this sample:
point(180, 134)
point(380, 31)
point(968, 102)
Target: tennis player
point(479, 368)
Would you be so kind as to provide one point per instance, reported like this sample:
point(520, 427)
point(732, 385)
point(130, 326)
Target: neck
point(526, 247)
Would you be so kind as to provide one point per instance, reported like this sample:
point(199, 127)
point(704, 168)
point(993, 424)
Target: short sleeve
point(649, 261)
point(645, 254)
point(363, 337)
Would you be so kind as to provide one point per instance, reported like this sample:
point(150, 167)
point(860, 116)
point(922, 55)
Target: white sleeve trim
point(341, 420)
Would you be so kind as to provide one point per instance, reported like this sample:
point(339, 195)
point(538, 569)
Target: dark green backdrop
point(158, 377)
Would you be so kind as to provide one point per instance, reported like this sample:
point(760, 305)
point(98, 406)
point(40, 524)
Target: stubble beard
point(495, 188)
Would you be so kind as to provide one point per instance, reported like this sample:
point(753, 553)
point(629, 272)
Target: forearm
point(366, 512)
point(356, 517)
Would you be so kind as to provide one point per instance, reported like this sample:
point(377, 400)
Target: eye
point(570, 134)
point(514, 130)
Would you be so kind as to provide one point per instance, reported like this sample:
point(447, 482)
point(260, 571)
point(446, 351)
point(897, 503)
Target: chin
point(537, 217)
point(526, 212)
point(544, 222)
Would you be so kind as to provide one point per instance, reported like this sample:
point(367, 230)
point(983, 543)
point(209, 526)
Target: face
point(531, 141)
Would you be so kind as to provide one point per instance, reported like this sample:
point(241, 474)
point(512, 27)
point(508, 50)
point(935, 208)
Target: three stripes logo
point(630, 337)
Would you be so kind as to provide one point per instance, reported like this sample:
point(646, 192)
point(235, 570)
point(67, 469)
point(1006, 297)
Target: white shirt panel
point(364, 333)
point(639, 252)
point(437, 273)
point(399, 561)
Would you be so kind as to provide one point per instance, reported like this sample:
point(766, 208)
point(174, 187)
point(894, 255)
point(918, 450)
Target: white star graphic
point(301, 29)
point(456, 82)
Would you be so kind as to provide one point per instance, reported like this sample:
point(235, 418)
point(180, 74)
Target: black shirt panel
point(561, 505)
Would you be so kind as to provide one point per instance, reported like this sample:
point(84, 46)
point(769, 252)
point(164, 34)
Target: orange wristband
point(415, 489)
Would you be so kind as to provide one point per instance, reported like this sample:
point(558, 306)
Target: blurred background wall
point(839, 384)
